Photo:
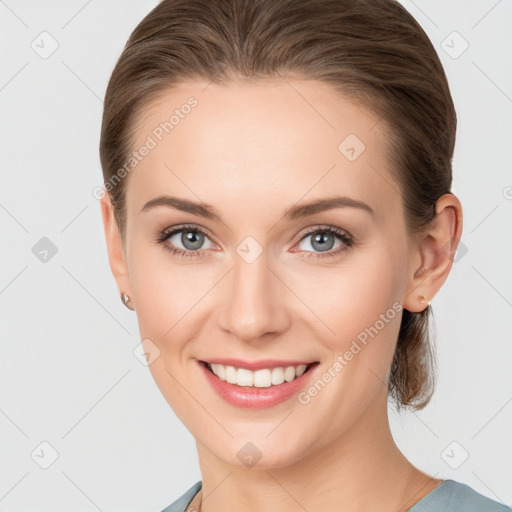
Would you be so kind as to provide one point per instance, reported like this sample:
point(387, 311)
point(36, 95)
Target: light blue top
point(449, 496)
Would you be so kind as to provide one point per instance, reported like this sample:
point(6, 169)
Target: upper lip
point(257, 365)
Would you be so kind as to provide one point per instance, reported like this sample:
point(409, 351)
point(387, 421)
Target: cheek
point(166, 292)
point(363, 313)
point(173, 302)
point(168, 308)
point(360, 303)
point(353, 296)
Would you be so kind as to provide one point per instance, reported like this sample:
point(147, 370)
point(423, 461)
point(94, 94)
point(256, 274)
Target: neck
point(362, 469)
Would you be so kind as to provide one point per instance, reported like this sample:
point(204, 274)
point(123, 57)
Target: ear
point(434, 254)
point(116, 254)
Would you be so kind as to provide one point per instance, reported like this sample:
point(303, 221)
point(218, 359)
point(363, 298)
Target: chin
point(260, 453)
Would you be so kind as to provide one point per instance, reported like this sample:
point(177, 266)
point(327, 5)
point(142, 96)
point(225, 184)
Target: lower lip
point(256, 398)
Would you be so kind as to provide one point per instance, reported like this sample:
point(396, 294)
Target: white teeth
point(259, 378)
point(244, 377)
point(301, 369)
point(219, 370)
point(230, 374)
point(289, 373)
point(262, 378)
point(277, 376)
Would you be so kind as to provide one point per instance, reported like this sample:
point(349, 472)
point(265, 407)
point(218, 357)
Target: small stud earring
point(425, 301)
point(126, 301)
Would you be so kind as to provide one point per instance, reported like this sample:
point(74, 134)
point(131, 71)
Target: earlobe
point(115, 251)
point(435, 253)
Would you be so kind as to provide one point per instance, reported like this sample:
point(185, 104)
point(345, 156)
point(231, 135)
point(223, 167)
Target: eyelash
point(347, 240)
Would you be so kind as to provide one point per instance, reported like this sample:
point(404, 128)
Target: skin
point(251, 150)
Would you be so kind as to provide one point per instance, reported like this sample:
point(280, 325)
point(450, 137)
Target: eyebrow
point(295, 212)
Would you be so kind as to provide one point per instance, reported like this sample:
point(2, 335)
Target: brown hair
point(373, 51)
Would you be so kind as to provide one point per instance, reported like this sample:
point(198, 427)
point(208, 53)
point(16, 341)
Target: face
point(250, 276)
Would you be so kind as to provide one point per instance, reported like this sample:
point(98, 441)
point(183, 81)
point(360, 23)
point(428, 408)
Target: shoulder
point(452, 496)
point(183, 502)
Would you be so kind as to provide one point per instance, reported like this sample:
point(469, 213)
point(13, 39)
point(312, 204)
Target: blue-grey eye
point(190, 239)
point(321, 241)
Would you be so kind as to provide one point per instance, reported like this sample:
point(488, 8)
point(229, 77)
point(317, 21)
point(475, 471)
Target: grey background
point(68, 373)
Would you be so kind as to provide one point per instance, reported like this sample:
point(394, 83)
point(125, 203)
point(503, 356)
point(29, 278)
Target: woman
point(279, 215)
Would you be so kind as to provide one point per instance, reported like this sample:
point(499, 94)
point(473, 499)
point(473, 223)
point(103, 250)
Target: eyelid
point(167, 233)
point(322, 227)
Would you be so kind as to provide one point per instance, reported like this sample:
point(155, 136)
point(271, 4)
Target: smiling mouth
point(263, 378)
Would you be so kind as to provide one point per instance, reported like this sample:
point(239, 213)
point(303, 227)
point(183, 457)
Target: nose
point(256, 301)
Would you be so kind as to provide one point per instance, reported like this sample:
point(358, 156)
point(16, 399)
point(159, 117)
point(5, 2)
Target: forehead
point(289, 137)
